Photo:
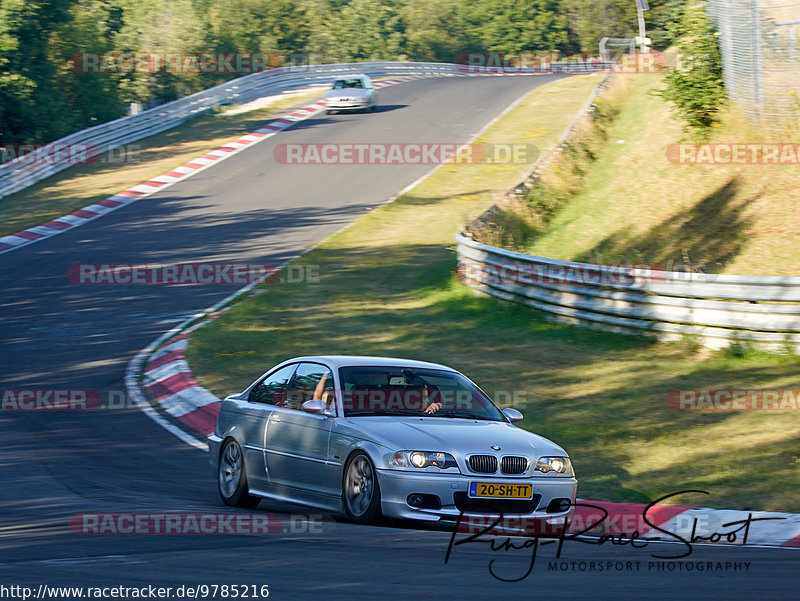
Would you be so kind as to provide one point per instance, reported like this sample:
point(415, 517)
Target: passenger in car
point(415, 380)
point(323, 394)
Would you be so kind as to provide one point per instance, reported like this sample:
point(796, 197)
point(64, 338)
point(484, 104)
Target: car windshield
point(340, 84)
point(404, 391)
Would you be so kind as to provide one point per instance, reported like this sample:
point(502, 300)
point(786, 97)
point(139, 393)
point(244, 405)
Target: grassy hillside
point(635, 204)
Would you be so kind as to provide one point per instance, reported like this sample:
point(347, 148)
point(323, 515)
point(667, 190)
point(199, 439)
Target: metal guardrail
point(23, 171)
point(718, 309)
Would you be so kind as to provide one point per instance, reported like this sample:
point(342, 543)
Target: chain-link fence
point(759, 41)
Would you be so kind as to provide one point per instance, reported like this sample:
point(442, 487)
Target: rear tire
point(361, 494)
point(232, 478)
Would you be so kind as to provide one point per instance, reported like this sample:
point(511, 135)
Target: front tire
point(232, 478)
point(360, 490)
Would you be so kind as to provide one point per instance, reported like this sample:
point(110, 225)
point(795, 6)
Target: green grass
point(83, 185)
point(635, 205)
point(387, 287)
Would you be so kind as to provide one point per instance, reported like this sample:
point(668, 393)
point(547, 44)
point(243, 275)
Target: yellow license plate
point(495, 490)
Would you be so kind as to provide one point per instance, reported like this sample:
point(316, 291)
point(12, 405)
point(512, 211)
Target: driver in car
point(413, 379)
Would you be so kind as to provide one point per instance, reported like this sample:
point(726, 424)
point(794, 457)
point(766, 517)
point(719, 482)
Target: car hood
point(459, 436)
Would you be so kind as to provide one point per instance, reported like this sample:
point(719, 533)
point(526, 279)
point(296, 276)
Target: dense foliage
point(43, 95)
point(695, 85)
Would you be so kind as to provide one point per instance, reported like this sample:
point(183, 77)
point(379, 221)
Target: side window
point(272, 389)
point(310, 381)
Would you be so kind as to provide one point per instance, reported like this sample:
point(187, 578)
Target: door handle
point(274, 419)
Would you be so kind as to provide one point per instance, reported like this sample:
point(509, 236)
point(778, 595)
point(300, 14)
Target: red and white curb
point(168, 381)
point(165, 180)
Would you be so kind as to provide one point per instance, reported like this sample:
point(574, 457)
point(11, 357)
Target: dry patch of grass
point(636, 205)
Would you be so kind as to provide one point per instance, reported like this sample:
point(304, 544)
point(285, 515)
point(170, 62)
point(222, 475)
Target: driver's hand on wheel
point(433, 407)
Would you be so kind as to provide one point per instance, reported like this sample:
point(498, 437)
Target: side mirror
point(315, 406)
point(512, 414)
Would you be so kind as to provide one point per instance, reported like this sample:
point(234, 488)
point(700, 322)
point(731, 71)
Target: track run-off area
point(58, 466)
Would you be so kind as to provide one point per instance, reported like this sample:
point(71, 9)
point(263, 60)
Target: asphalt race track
point(60, 464)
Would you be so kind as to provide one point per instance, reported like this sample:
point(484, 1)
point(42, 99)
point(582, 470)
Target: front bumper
point(397, 485)
point(214, 445)
point(347, 105)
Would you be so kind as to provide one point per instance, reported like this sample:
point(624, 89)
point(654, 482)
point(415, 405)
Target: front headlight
point(560, 465)
point(422, 459)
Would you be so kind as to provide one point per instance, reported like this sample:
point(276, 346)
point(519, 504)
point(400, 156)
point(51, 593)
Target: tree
point(695, 85)
point(434, 31)
point(84, 99)
point(510, 26)
point(592, 20)
point(28, 107)
point(370, 30)
point(324, 43)
point(276, 26)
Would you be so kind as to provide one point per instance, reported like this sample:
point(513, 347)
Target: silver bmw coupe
point(351, 93)
point(372, 436)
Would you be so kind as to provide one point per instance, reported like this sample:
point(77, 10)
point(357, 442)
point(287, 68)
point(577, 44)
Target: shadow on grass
point(601, 396)
point(610, 427)
point(407, 200)
point(709, 235)
point(400, 298)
